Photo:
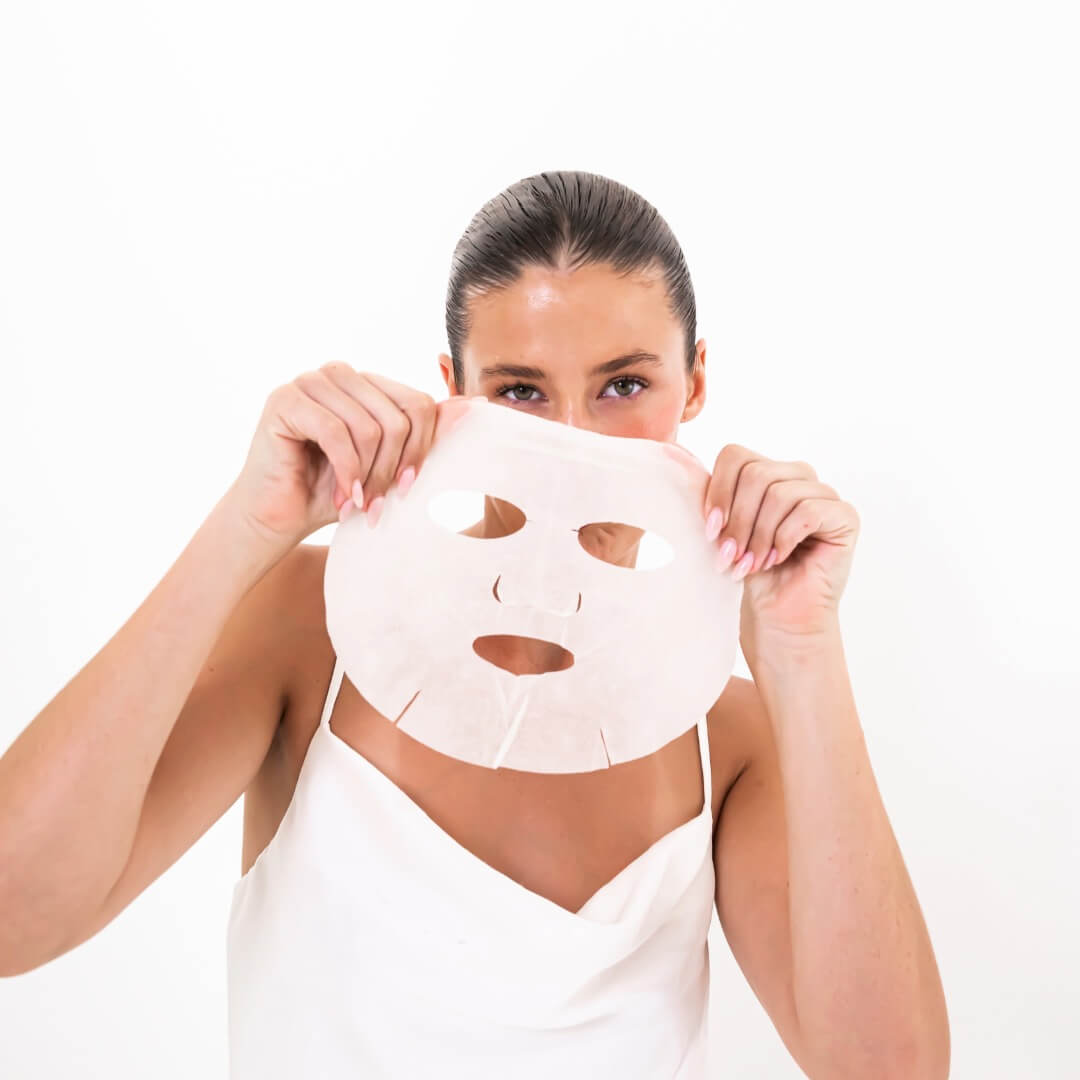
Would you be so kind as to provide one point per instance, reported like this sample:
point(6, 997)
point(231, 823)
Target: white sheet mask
point(647, 650)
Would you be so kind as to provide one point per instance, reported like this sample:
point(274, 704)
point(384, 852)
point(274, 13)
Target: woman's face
point(536, 345)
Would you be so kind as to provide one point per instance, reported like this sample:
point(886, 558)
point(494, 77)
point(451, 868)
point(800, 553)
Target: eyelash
point(620, 378)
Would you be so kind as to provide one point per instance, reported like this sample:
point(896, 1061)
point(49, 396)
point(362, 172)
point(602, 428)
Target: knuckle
point(280, 395)
point(335, 367)
point(291, 399)
point(336, 428)
point(368, 431)
point(397, 426)
point(308, 379)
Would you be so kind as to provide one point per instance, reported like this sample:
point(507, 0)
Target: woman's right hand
point(320, 435)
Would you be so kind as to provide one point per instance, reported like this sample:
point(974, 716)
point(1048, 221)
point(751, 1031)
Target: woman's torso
point(402, 913)
point(559, 836)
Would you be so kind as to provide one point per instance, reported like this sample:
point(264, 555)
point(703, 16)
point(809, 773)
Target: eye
point(461, 511)
point(505, 391)
point(509, 391)
point(628, 379)
point(613, 543)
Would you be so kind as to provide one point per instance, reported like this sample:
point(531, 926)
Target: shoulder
point(304, 581)
point(738, 725)
point(301, 609)
point(735, 718)
point(298, 592)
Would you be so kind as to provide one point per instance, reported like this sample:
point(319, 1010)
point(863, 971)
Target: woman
point(568, 298)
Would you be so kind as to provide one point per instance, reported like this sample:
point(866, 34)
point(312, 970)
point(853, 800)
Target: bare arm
point(74, 782)
point(168, 724)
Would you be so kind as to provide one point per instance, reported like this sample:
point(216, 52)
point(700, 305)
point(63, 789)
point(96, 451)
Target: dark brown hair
point(564, 218)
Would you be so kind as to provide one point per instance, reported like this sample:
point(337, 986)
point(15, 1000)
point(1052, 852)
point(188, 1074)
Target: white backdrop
point(878, 204)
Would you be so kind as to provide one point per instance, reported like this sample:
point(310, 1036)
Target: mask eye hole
point(613, 543)
point(461, 511)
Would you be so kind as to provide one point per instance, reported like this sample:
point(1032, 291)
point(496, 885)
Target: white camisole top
point(366, 942)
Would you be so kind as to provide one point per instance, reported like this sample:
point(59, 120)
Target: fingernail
point(374, 510)
point(742, 568)
point(726, 554)
point(405, 479)
point(358, 494)
point(347, 507)
point(713, 523)
point(770, 560)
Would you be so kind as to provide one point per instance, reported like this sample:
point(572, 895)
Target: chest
point(562, 836)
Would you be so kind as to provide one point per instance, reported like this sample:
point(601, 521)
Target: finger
point(397, 408)
point(394, 426)
point(308, 420)
point(738, 486)
point(806, 517)
point(720, 491)
point(363, 426)
point(448, 412)
point(729, 494)
point(420, 409)
point(781, 497)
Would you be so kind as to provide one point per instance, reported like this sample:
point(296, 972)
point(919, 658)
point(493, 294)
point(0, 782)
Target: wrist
point(247, 548)
point(776, 648)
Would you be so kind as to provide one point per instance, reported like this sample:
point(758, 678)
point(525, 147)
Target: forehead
point(555, 311)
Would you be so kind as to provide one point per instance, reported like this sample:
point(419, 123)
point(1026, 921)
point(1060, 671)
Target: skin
point(561, 836)
point(811, 889)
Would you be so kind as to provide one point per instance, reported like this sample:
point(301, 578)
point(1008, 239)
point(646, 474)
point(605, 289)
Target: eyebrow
point(519, 371)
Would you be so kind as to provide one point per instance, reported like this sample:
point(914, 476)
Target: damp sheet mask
point(616, 654)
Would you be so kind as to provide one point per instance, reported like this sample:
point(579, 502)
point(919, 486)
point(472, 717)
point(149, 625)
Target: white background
point(878, 204)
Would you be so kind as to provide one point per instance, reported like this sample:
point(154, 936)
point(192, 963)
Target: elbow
point(20, 960)
point(920, 1062)
point(917, 1058)
point(16, 957)
point(24, 947)
point(935, 1060)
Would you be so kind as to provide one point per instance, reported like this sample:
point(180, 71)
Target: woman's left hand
point(795, 535)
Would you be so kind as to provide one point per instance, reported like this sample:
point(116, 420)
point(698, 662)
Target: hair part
point(563, 220)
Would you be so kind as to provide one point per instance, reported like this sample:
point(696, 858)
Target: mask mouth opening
point(522, 655)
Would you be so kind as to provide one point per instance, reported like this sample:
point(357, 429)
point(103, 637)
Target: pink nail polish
point(373, 511)
point(347, 507)
point(713, 523)
point(405, 479)
point(770, 560)
point(726, 554)
point(743, 566)
point(358, 495)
